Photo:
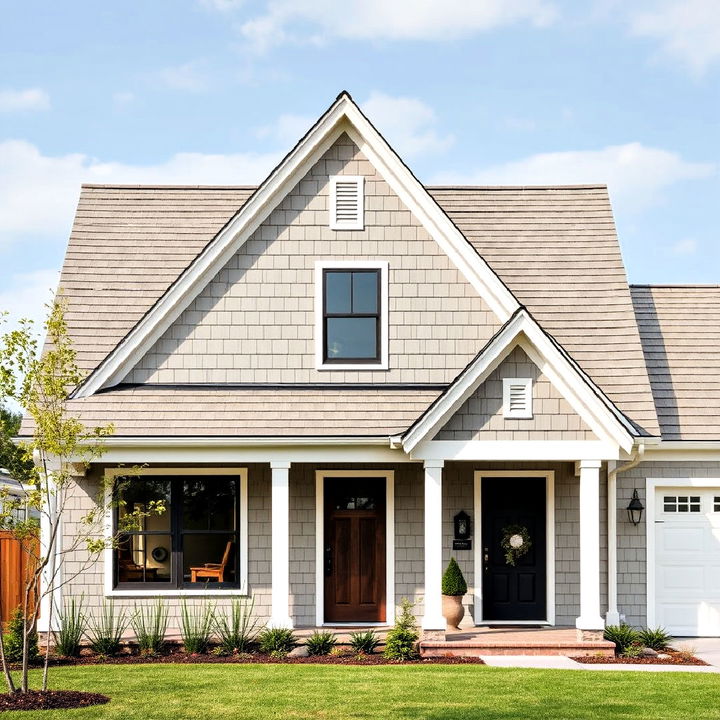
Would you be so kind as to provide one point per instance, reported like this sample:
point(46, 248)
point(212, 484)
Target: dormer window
point(517, 398)
point(347, 206)
point(351, 306)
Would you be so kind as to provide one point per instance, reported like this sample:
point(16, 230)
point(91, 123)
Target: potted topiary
point(454, 588)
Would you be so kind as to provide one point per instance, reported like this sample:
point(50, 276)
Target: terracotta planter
point(453, 610)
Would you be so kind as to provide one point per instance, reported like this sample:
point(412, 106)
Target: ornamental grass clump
point(196, 626)
point(150, 627)
point(106, 630)
point(453, 581)
point(401, 641)
point(656, 639)
point(623, 636)
point(277, 642)
point(237, 630)
point(72, 624)
point(321, 643)
point(364, 642)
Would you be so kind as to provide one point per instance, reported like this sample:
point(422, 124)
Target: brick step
point(476, 648)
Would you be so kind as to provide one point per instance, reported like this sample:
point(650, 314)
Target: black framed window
point(194, 543)
point(351, 316)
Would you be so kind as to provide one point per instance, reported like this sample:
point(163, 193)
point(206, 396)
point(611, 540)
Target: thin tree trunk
point(6, 669)
point(25, 659)
point(46, 662)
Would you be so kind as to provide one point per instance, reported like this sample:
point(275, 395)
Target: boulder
point(649, 652)
point(300, 651)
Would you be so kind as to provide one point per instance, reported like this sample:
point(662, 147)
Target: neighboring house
point(319, 373)
point(15, 491)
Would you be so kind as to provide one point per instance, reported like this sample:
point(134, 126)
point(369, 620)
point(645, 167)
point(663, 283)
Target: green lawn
point(261, 692)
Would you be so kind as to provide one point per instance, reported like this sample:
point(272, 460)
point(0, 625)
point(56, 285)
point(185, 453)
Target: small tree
point(453, 581)
point(60, 448)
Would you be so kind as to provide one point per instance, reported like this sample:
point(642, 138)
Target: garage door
point(687, 560)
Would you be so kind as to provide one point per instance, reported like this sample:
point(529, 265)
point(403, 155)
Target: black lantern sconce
point(462, 530)
point(635, 509)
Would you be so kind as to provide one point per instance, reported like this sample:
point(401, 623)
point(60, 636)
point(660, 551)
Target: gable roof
point(582, 394)
point(342, 117)
point(680, 332)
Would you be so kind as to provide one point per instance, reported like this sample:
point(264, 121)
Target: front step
point(476, 648)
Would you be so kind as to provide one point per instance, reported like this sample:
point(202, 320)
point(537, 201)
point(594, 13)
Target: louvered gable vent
point(346, 202)
point(517, 397)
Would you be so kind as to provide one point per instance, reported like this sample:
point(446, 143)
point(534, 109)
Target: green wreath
point(515, 542)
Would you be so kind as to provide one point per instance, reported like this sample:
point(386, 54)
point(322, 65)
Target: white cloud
point(38, 193)
point(21, 100)
point(635, 174)
point(25, 295)
point(188, 77)
point(287, 129)
point(222, 5)
point(688, 30)
point(687, 246)
point(428, 20)
point(407, 123)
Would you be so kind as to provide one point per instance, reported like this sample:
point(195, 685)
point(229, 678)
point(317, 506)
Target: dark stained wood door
point(354, 552)
point(513, 592)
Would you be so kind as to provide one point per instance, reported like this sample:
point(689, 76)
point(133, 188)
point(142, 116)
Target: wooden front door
point(354, 552)
point(513, 592)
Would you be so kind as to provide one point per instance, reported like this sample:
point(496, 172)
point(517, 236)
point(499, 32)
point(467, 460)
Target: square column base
point(280, 622)
point(589, 635)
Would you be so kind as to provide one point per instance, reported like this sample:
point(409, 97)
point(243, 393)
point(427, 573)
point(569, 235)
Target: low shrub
point(13, 639)
point(401, 641)
point(364, 641)
point(633, 651)
point(657, 639)
point(150, 627)
point(72, 624)
point(453, 581)
point(236, 632)
point(321, 643)
point(196, 626)
point(106, 630)
point(622, 635)
point(276, 640)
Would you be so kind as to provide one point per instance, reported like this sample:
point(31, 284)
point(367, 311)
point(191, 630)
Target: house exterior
point(318, 374)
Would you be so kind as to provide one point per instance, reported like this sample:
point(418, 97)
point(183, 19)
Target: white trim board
point(651, 486)
point(108, 576)
point(549, 477)
point(384, 267)
point(320, 477)
point(342, 116)
point(586, 399)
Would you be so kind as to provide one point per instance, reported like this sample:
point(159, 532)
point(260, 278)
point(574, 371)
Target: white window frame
point(320, 477)
point(359, 224)
point(109, 553)
point(517, 414)
point(384, 267)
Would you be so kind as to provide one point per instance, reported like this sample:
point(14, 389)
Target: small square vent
point(346, 202)
point(517, 397)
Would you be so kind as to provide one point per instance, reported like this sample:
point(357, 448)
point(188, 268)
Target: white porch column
point(612, 616)
point(590, 624)
point(279, 614)
point(433, 622)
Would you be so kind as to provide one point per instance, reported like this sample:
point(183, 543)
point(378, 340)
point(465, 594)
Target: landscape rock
point(649, 652)
point(300, 651)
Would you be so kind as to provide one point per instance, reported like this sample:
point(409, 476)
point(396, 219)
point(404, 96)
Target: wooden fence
point(15, 567)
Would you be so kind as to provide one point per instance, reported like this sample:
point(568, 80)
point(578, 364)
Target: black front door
point(513, 592)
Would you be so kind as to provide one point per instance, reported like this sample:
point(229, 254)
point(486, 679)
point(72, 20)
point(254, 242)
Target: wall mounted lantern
point(635, 509)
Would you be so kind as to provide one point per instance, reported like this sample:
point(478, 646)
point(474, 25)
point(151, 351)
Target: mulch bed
point(675, 658)
point(50, 700)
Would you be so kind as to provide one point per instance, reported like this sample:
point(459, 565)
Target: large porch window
point(195, 543)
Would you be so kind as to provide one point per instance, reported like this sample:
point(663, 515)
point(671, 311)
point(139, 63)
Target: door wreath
point(515, 542)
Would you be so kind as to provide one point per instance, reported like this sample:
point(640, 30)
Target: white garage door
point(687, 560)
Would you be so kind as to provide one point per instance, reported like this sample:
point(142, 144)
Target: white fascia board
point(343, 116)
point(524, 331)
point(683, 451)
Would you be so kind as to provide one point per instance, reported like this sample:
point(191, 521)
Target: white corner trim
point(320, 477)
point(584, 397)
point(359, 182)
point(343, 116)
point(109, 521)
point(549, 477)
point(651, 513)
point(384, 267)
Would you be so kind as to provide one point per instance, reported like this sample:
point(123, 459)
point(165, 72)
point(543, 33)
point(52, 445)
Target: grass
point(450, 692)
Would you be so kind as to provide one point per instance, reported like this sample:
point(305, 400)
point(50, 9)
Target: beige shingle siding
point(680, 331)
point(557, 250)
point(158, 411)
point(255, 322)
point(481, 415)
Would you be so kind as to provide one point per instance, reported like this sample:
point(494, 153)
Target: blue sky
point(489, 91)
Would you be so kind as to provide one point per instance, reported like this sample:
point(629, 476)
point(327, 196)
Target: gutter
point(613, 616)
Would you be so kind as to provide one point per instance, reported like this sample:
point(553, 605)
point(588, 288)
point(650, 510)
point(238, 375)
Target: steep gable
point(481, 416)
point(255, 321)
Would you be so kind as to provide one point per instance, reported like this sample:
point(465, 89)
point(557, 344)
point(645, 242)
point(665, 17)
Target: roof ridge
point(683, 286)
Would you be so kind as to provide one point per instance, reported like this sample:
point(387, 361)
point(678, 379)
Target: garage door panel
point(682, 539)
point(680, 578)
